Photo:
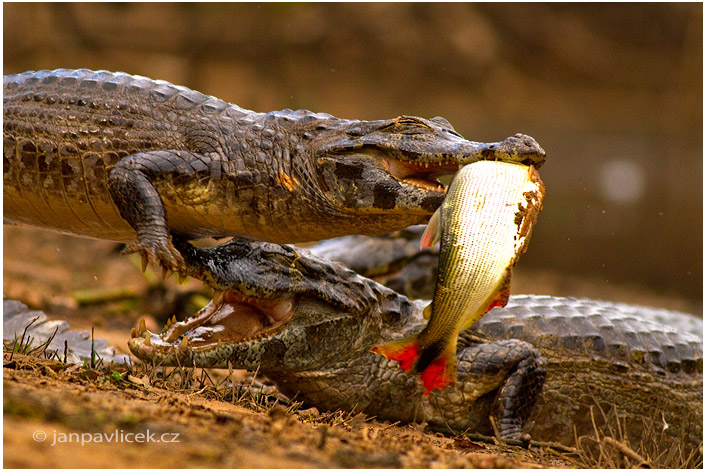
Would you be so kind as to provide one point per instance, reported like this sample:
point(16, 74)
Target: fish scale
point(484, 225)
point(477, 218)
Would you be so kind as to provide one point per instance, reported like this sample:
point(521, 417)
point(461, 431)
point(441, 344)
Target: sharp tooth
point(174, 320)
point(133, 333)
point(182, 278)
point(219, 342)
point(141, 327)
point(146, 337)
point(166, 273)
point(144, 263)
point(217, 294)
point(184, 342)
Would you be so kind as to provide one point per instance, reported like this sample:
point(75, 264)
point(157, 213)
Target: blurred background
point(613, 92)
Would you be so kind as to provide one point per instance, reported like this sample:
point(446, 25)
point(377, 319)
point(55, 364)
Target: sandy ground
point(63, 416)
point(99, 422)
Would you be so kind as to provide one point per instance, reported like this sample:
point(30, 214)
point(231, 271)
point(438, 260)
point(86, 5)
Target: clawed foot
point(158, 252)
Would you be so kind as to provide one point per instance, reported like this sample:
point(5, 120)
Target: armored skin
point(122, 157)
point(127, 158)
point(542, 365)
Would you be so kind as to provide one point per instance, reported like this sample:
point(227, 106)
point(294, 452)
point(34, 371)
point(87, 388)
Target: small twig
point(518, 442)
point(42, 348)
point(390, 426)
point(436, 399)
point(22, 338)
point(230, 379)
point(249, 388)
point(93, 352)
point(199, 392)
point(494, 425)
point(626, 451)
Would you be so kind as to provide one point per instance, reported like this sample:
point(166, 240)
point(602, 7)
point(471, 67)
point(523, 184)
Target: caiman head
point(376, 169)
point(276, 309)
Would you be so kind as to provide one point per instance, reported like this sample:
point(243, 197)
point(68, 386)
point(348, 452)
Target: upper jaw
point(420, 174)
point(419, 163)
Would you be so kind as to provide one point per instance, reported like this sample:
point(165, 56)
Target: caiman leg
point(521, 370)
point(106, 154)
point(140, 205)
point(132, 186)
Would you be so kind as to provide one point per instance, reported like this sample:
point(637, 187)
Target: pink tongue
point(245, 324)
point(274, 310)
point(281, 310)
point(396, 168)
point(249, 320)
point(235, 319)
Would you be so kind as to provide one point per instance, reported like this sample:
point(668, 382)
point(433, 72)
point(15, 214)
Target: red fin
point(503, 294)
point(500, 300)
point(439, 373)
point(432, 233)
point(405, 351)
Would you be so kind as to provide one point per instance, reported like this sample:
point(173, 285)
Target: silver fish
point(484, 224)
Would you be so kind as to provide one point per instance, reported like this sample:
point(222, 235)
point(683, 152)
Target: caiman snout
point(518, 148)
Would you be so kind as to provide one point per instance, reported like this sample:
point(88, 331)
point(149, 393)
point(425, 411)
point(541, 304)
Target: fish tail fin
point(405, 351)
point(440, 372)
point(436, 369)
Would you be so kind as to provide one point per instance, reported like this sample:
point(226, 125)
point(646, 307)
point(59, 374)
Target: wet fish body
point(484, 224)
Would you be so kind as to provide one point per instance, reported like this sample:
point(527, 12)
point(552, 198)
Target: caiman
point(127, 158)
point(551, 367)
point(123, 157)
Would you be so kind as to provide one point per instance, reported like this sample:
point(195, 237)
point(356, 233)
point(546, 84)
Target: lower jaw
point(230, 318)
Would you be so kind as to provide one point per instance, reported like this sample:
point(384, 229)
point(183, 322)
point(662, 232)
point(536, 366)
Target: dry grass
point(260, 430)
point(608, 449)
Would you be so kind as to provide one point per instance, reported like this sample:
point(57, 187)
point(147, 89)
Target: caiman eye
point(407, 125)
point(445, 126)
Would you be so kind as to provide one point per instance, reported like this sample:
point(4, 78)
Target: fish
point(483, 224)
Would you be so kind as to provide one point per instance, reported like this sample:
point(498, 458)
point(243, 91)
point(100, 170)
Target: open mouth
point(229, 318)
point(424, 175)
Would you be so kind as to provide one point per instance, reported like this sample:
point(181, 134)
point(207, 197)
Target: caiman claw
point(158, 252)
